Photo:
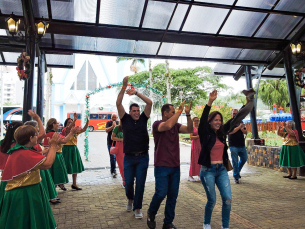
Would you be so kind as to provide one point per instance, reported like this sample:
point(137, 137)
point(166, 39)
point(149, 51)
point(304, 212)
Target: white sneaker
point(138, 214)
point(191, 179)
point(129, 206)
point(224, 227)
point(207, 226)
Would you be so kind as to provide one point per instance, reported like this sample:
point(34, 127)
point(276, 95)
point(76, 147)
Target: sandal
point(62, 187)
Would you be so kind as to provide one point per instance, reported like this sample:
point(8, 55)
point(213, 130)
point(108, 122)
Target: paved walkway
point(263, 200)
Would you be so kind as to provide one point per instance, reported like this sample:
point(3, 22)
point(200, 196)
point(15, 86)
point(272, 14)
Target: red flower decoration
point(163, 96)
point(146, 86)
point(109, 86)
point(87, 96)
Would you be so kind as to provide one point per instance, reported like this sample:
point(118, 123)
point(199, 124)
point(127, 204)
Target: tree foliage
point(195, 82)
point(274, 92)
point(224, 110)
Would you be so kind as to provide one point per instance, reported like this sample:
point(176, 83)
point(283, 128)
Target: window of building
point(91, 78)
point(81, 78)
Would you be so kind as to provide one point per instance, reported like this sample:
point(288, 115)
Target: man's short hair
point(133, 105)
point(166, 107)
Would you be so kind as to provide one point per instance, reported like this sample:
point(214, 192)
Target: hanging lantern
point(13, 23)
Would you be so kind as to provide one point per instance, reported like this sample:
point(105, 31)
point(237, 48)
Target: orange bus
point(97, 120)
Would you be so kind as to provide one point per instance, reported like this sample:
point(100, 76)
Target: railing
point(264, 126)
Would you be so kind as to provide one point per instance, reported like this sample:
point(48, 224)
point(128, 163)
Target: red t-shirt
point(167, 150)
point(217, 151)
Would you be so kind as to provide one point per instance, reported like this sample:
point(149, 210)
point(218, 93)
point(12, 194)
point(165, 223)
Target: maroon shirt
point(167, 150)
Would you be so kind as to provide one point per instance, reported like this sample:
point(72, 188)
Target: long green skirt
point(73, 160)
point(2, 191)
point(292, 156)
point(26, 208)
point(58, 170)
point(48, 184)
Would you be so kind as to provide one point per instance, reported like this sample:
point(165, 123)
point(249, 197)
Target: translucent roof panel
point(229, 68)
point(94, 44)
point(296, 29)
point(1, 59)
point(274, 72)
point(3, 32)
point(146, 47)
point(82, 11)
point(11, 57)
point(253, 54)
point(121, 12)
point(158, 15)
point(60, 59)
point(242, 23)
point(224, 2)
point(263, 4)
point(171, 49)
point(222, 53)
point(9, 6)
point(40, 9)
point(178, 17)
point(204, 19)
point(277, 26)
point(115, 45)
point(291, 5)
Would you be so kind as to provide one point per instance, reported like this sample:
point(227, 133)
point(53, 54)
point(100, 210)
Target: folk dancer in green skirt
point(58, 170)
point(46, 178)
point(291, 156)
point(70, 151)
point(5, 145)
point(25, 204)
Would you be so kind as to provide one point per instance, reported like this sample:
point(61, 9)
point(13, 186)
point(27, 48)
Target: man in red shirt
point(167, 162)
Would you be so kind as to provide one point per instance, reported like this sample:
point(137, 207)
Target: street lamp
point(296, 48)
point(13, 23)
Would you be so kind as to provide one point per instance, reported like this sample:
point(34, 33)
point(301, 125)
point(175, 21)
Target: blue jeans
point(135, 167)
point(167, 184)
point(238, 165)
point(218, 175)
point(112, 161)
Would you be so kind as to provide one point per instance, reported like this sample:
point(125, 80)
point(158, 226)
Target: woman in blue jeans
point(214, 157)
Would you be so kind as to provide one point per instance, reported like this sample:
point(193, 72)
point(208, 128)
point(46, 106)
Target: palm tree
point(134, 64)
point(274, 92)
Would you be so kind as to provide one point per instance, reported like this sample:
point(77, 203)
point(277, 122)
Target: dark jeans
point(218, 175)
point(112, 161)
point(238, 165)
point(167, 184)
point(135, 167)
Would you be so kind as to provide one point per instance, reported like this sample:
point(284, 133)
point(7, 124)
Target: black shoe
point(151, 223)
point(168, 226)
point(293, 178)
point(55, 202)
point(62, 187)
point(76, 188)
point(236, 181)
point(114, 174)
point(287, 176)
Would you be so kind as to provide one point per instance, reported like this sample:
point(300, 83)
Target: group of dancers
point(34, 161)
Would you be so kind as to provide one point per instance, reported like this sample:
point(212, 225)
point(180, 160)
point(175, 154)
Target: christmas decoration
point(24, 66)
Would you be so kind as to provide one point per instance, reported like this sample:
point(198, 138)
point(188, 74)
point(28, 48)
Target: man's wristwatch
point(136, 93)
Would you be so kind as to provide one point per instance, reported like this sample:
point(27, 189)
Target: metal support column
point(40, 85)
point(293, 101)
point(253, 112)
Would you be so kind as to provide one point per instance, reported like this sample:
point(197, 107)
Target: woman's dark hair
point(120, 128)
point(50, 123)
point(66, 122)
point(31, 123)
point(220, 132)
point(194, 118)
point(9, 136)
point(23, 134)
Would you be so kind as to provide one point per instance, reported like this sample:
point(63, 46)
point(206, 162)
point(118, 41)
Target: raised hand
point(181, 107)
point(188, 108)
point(33, 114)
point(75, 116)
point(55, 140)
point(131, 91)
point(125, 81)
point(213, 95)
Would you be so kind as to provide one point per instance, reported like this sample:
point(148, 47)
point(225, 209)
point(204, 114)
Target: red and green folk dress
point(72, 157)
point(3, 159)
point(292, 155)
point(25, 204)
point(58, 170)
point(47, 181)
